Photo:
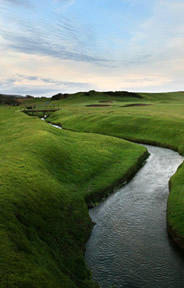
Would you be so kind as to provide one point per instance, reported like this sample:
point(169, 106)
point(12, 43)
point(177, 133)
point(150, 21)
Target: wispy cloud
point(23, 3)
point(61, 39)
point(39, 86)
point(41, 45)
point(64, 4)
point(105, 43)
point(132, 2)
point(49, 81)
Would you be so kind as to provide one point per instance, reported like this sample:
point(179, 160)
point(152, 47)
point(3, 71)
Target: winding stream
point(54, 125)
point(129, 245)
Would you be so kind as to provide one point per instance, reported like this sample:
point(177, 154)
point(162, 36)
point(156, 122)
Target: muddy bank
point(177, 239)
point(98, 105)
point(137, 104)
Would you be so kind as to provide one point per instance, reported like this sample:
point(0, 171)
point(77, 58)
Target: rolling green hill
point(156, 118)
point(47, 178)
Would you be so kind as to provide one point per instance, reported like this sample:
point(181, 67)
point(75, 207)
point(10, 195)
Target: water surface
point(54, 125)
point(129, 245)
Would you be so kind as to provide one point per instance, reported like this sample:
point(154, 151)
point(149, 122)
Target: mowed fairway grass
point(156, 119)
point(47, 178)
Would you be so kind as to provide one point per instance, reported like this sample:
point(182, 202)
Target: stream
point(54, 125)
point(129, 246)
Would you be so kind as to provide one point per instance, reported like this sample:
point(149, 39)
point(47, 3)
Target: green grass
point(47, 176)
point(161, 123)
point(175, 213)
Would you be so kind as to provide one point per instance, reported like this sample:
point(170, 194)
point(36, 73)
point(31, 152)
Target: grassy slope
point(46, 175)
point(156, 123)
point(161, 123)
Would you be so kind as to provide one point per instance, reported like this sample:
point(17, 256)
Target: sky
point(66, 46)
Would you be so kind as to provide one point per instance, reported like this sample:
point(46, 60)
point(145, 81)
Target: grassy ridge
point(175, 209)
point(46, 177)
point(159, 122)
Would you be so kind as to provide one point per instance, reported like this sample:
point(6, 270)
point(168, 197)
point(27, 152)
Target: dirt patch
point(131, 105)
point(105, 101)
point(98, 105)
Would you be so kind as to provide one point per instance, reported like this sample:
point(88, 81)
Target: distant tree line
point(7, 99)
point(60, 96)
point(122, 94)
point(13, 99)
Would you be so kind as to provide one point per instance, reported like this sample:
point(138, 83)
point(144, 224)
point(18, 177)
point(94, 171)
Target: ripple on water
point(129, 246)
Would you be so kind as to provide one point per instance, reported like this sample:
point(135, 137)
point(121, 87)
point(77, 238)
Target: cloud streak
point(122, 44)
point(39, 86)
point(22, 3)
point(48, 80)
point(62, 39)
point(65, 4)
point(41, 46)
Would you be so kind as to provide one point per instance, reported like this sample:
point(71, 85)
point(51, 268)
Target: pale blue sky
point(51, 46)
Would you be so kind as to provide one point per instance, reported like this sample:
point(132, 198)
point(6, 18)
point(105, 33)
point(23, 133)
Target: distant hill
point(92, 93)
